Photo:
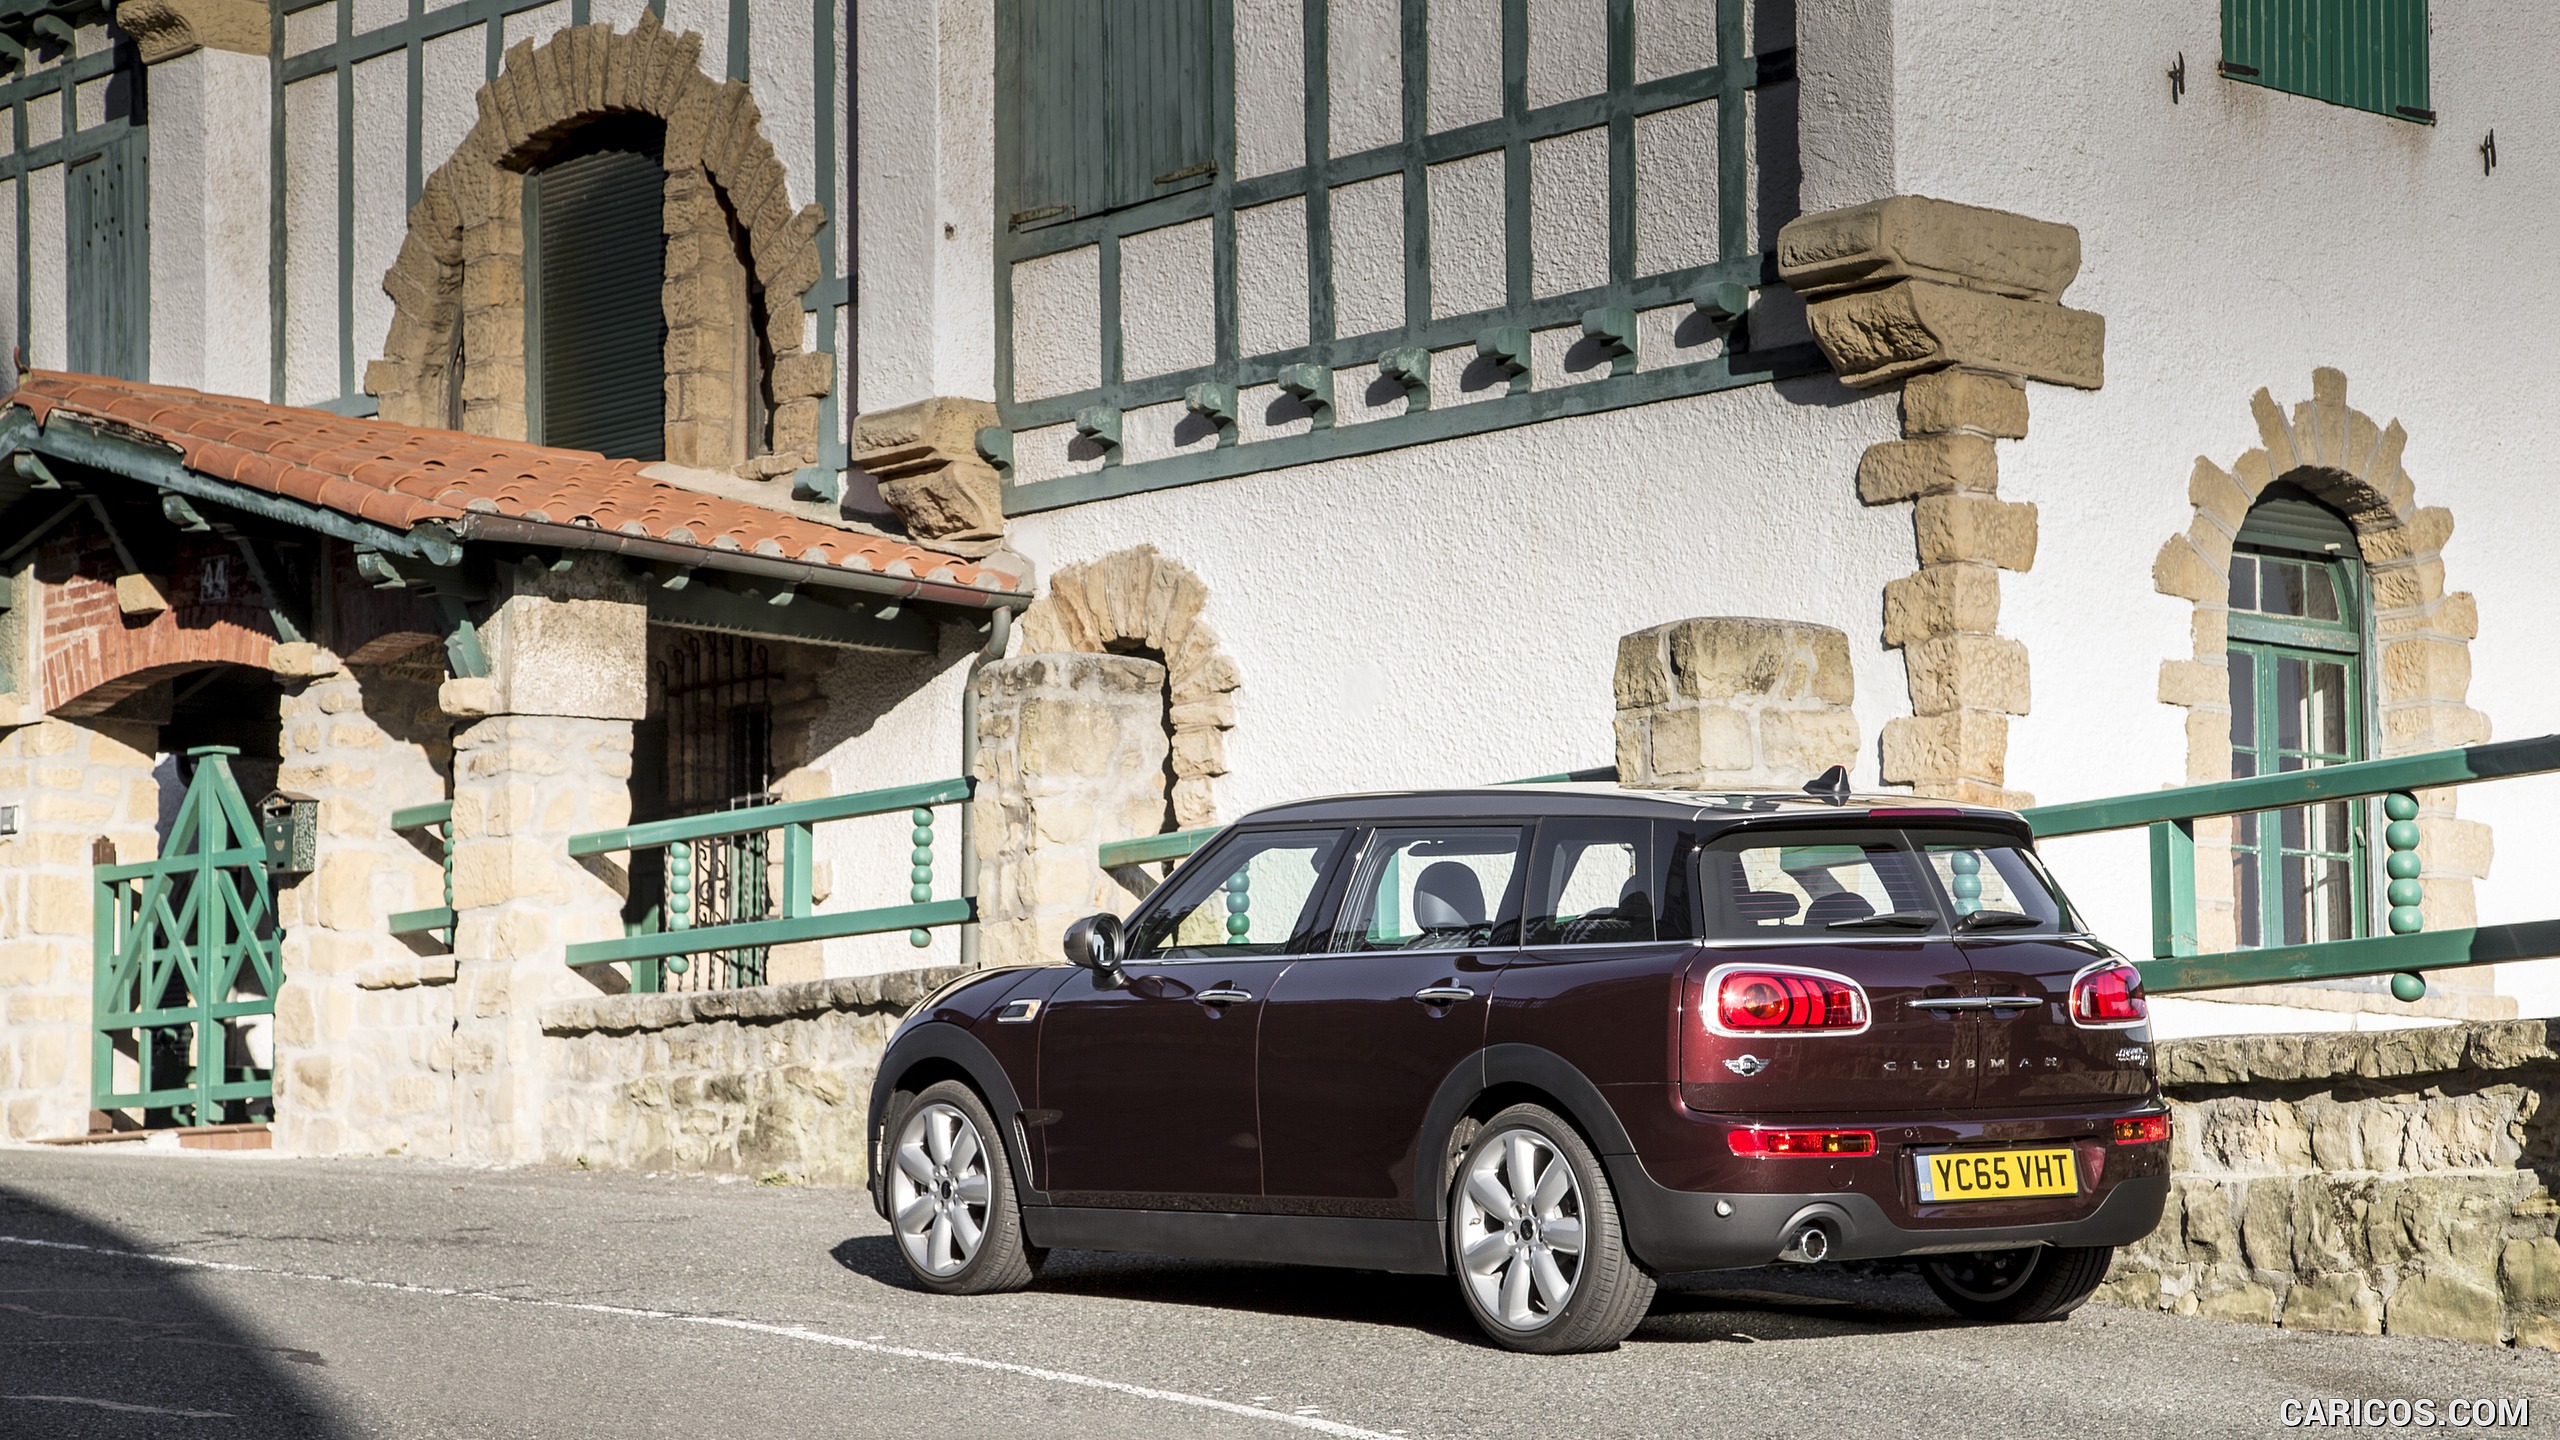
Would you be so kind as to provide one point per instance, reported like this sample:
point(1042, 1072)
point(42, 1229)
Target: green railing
point(437, 822)
point(2171, 815)
point(676, 938)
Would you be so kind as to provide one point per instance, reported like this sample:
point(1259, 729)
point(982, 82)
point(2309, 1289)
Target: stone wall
point(774, 1080)
point(2395, 1182)
point(1071, 753)
point(85, 792)
point(1727, 701)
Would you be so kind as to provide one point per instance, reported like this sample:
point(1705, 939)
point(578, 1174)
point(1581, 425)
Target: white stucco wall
point(209, 204)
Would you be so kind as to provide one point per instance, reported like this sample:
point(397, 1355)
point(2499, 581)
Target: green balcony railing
point(436, 822)
point(677, 939)
point(2171, 815)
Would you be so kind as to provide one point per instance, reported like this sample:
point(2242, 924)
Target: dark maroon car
point(1555, 1042)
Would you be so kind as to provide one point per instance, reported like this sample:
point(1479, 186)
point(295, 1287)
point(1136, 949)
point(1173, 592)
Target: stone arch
point(2420, 633)
point(1137, 602)
point(454, 357)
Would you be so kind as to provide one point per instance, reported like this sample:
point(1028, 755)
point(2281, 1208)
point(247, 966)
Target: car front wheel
point(2043, 1282)
point(1533, 1233)
point(951, 1199)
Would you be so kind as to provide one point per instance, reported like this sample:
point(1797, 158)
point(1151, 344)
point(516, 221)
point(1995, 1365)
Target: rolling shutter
point(2366, 54)
point(1113, 106)
point(106, 298)
point(2287, 518)
point(596, 227)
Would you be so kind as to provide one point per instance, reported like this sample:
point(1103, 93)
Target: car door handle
point(1443, 994)
point(1222, 996)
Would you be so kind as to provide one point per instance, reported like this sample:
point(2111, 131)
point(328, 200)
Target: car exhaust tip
point(1808, 1247)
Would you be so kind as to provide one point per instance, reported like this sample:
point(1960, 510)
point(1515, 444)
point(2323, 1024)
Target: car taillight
point(1802, 1142)
point(2109, 995)
point(2142, 1130)
point(1789, 1000)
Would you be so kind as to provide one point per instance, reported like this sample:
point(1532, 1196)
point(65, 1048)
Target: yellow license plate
point(1951, 1175)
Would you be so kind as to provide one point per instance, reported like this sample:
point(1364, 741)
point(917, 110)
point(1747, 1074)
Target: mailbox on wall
point(291, 825)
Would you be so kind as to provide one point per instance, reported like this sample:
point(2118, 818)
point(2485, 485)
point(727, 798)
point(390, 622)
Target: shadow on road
point(105, 1346)
point(1732, 1306)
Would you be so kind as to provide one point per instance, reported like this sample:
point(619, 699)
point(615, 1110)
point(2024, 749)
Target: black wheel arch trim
point(1510, 1063)
point(940, 1040)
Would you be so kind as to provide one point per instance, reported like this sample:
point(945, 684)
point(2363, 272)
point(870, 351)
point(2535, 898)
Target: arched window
point(2297, 656)
point(595, 268)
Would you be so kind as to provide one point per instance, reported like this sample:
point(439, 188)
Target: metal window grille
point(716, 694)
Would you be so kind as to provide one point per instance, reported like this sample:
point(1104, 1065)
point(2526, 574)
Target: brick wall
point(91, 654)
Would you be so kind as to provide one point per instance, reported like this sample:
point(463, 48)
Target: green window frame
point(2363, 54)
point(595, 270)
point(1084, 148)
point(2297, 655)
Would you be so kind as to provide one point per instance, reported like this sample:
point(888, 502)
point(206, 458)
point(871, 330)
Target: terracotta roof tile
point(401, 475)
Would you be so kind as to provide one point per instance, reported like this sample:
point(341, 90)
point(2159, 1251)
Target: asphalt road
point(183, 1294)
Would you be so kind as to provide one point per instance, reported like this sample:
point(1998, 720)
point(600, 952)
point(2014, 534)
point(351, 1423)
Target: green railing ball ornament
point(2401, 835)
point(1968, 880)
point(921, 889)
point(2408, 987)
point(1239, 904)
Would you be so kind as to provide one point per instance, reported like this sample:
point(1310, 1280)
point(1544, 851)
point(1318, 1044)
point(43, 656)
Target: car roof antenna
point(1831, 785)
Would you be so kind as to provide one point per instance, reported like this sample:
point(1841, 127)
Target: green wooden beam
point(2343, 959)
point(2537, 756)
point(416, 922)
point(415, 817)
point(754, 933)
point(770, 817)
point(711, 602)
point(1148, 849)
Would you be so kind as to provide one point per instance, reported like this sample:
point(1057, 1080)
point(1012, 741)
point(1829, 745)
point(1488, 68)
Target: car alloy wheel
point(1517, 1229)
point(940, 1190)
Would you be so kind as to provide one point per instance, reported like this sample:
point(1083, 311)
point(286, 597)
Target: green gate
point(187, 950)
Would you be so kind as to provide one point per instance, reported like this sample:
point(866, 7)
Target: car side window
point(1593, 882)
point(1444, 888)
point(1252, 896)
point(1788, 886)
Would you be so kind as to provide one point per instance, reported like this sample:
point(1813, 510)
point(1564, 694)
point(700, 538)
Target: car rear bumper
point(1679, 1230)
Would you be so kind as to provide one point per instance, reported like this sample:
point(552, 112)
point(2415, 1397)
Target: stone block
point(2195, 682)
point(1699, 740)
point(2452, 1307)
point(1875, 337)
point(139, 597)
point(1951, 672)
point(2426, 669)
point(1975, 527)
point(1807, 742)
point(2181, 570)
point(1930, 749)
point(1955, 400)
point(2339, 1303)
point(1940, 600)
point(1903, 236)
point(167, 29)
point(2214, 492)
point(1722, 657)
point(1896, 470)
point(925, 458)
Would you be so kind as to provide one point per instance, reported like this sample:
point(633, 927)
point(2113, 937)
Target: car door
point(1845, 902)
point(1356, 1042)
point(2026, 947)
point(1147, 1079)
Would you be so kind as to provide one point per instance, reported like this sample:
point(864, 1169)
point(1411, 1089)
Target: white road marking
point(785, 1332)
point(118, 1405)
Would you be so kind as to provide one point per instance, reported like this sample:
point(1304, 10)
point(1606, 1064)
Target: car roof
point(1512, 801)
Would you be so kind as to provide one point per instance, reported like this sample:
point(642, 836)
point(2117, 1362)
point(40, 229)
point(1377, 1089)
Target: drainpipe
point(999, 633)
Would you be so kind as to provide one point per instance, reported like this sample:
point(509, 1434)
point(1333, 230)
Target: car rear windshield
point(1878, 885)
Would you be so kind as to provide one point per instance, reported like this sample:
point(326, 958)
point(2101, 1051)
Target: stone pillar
point(1729, 702)
point(208, 80)
point(84, 790)
point(1961, 306)
point(365, 1018)
point(1071, 753)
point(544, 753)
point(924, 457)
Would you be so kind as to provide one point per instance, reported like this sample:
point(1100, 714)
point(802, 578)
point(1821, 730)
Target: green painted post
point(107, 939)
point(797, 881)
point(2173, 888)
point(921, 890)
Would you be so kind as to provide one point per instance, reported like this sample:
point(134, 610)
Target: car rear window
point(1993, 887)
point(1815, 886)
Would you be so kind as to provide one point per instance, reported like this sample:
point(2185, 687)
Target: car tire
point(948, 1180)
point(1534, 1239)
point(2018, 1286)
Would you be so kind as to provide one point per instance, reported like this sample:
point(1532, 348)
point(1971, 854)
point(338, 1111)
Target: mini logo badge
point(1746, 1065)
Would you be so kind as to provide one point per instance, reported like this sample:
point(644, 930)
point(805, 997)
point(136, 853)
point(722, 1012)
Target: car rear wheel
point(1534, 1236)
point(2042, 1282)
point(951, 1198)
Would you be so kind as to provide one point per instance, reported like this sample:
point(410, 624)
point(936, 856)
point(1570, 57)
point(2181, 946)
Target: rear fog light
point(1802, 1142)
point(2143, 1130)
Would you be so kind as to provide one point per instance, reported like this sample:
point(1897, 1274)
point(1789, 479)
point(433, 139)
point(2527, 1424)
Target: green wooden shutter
point(1113, 105)
point(597, 332)
point(108, 295)
point(2366, 54)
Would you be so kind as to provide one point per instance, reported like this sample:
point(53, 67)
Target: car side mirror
point(1094, 943)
